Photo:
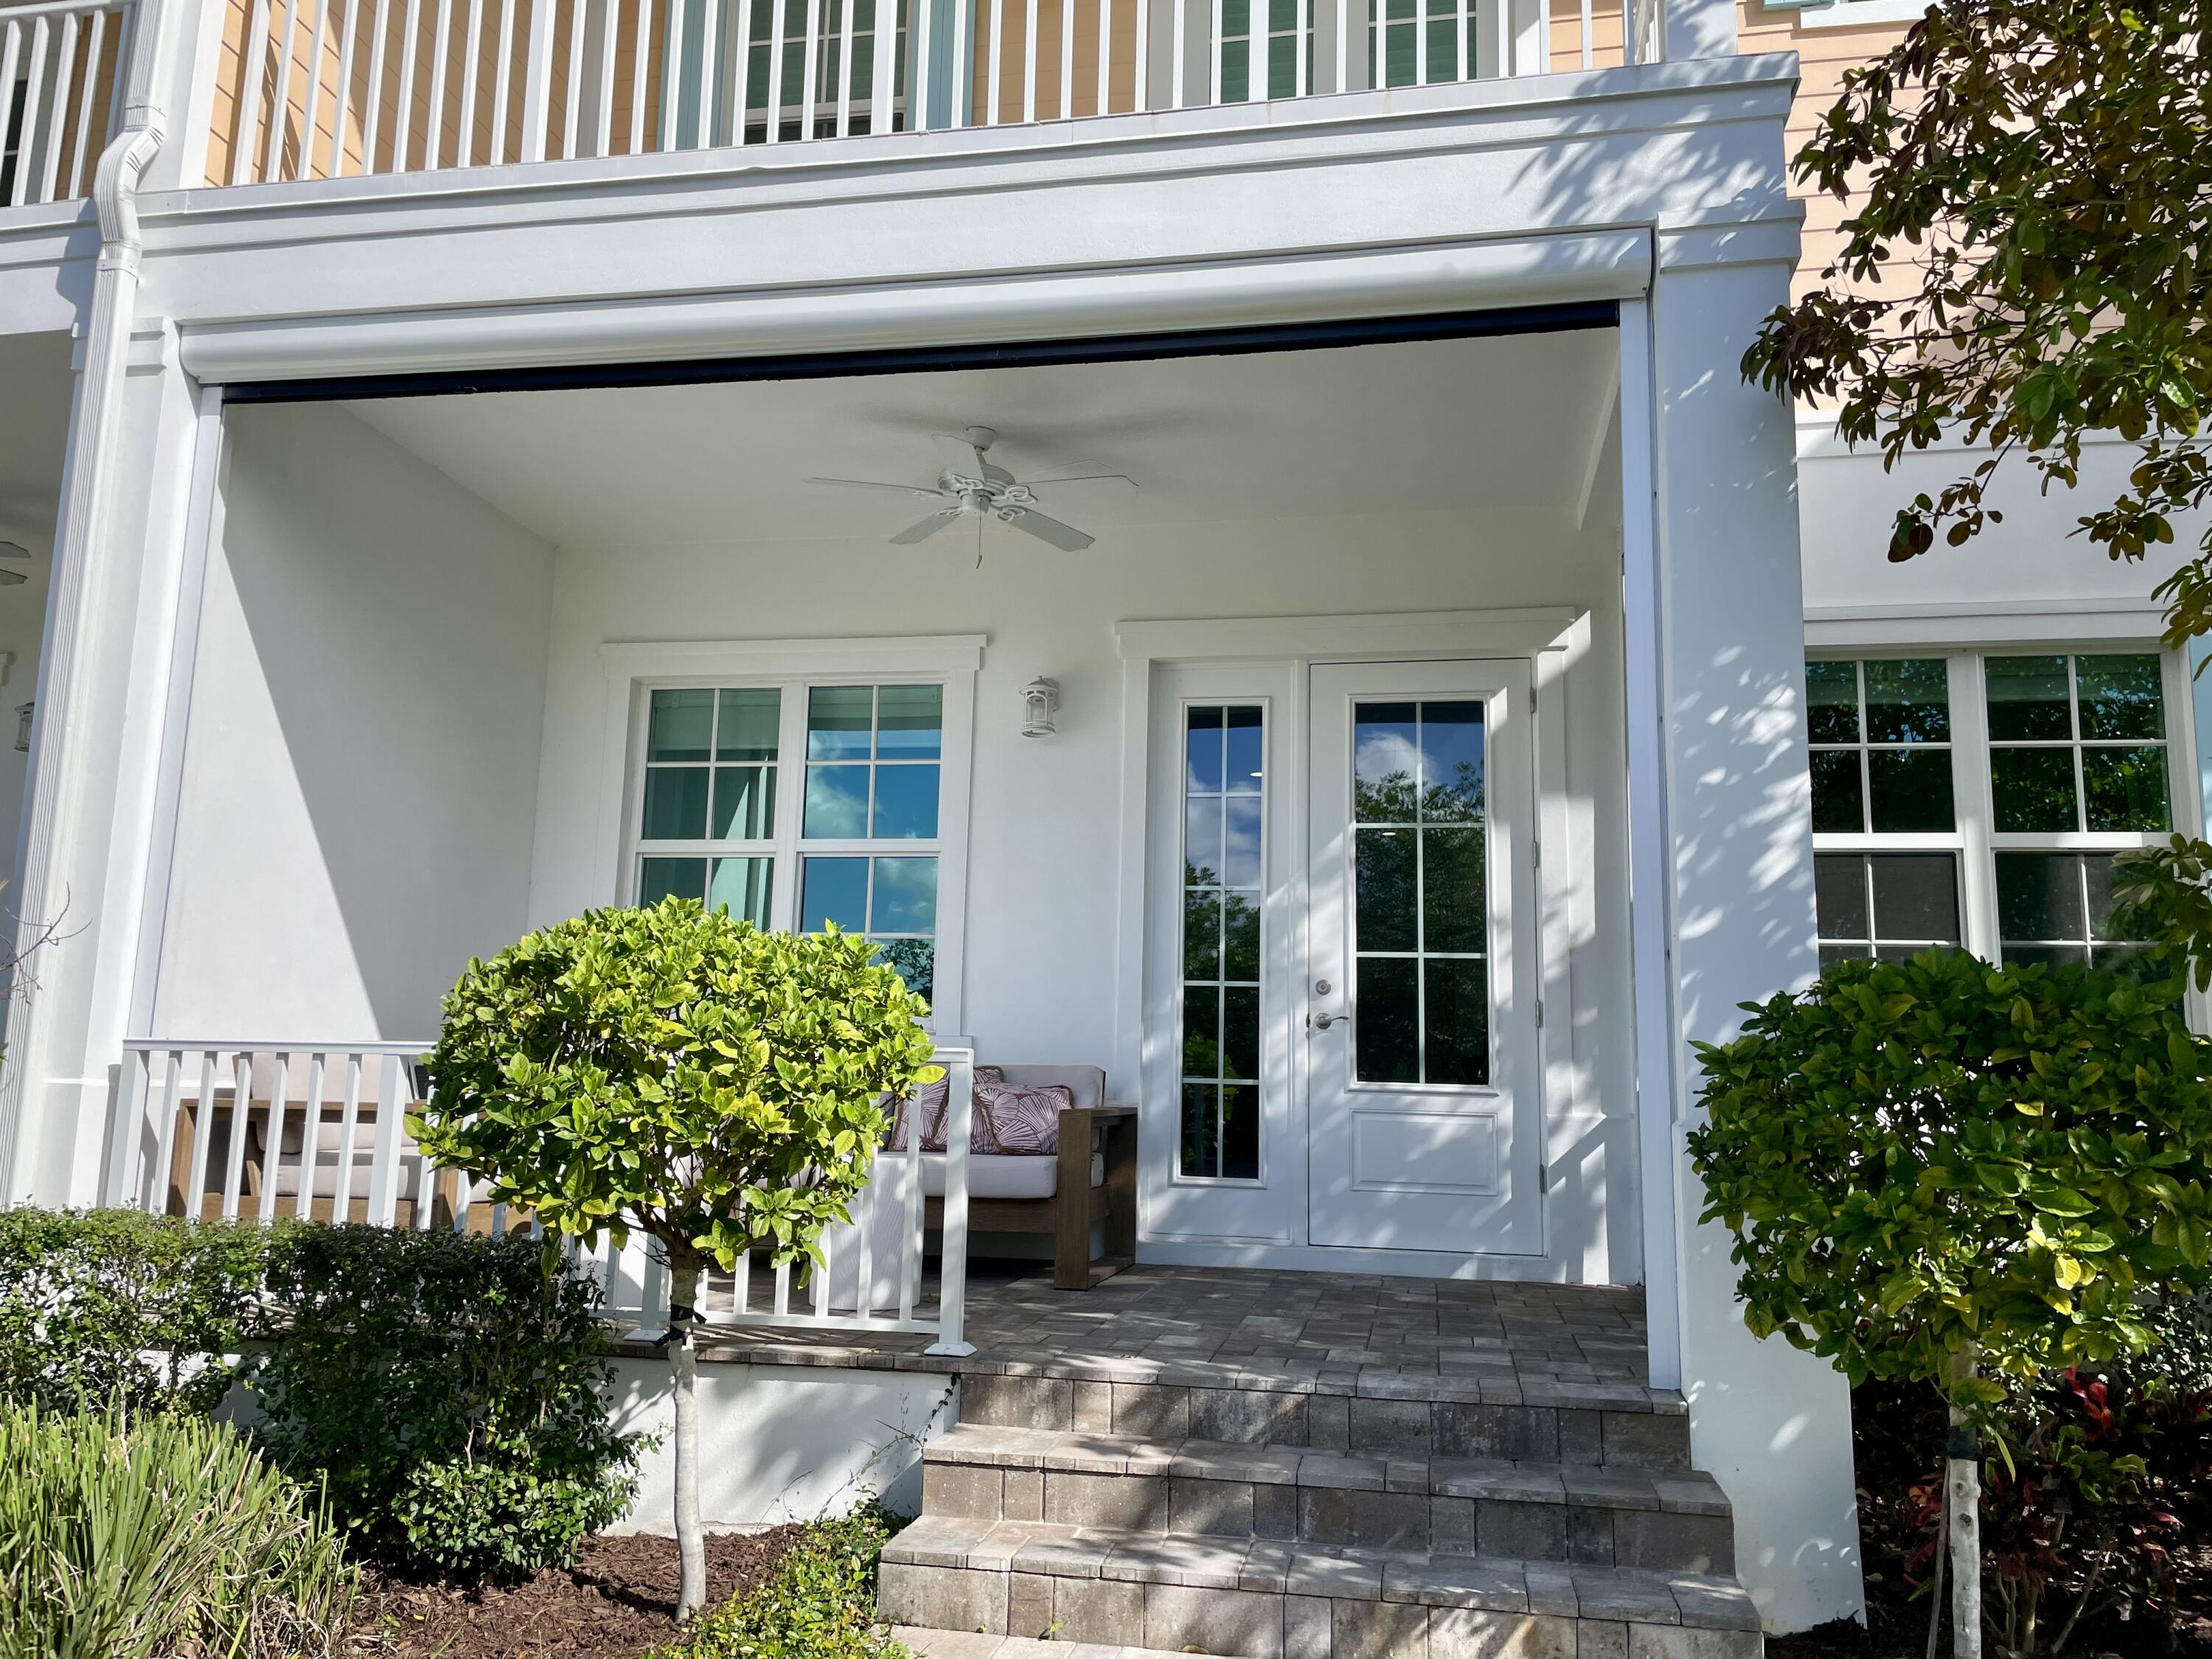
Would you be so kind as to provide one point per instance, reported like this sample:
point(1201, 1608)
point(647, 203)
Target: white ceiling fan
point(12, 553)
point(969, 485)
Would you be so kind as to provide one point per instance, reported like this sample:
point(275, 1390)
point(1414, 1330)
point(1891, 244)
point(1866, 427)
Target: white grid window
point(1978, 799)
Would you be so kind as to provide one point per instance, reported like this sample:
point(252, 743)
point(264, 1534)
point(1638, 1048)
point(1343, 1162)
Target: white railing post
point(538, 79)
point(128, 1128)
point(383, 1162)
point(952, 1258)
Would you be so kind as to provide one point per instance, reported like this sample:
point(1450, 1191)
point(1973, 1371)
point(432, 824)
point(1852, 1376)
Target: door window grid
point(2025, 895)
point(857, 846)
point(1224, 862)
point(1420, 909)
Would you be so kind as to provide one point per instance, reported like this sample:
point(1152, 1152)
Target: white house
point(1331, 656)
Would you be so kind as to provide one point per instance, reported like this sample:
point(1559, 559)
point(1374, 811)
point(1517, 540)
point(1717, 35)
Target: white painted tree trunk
point(1962, 1504)
point(683, 1369)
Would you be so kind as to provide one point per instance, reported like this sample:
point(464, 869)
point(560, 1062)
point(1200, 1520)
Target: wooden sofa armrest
point(1076, 1203)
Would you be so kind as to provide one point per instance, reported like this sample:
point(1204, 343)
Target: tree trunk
point(684, 1369)
point(1962, 1513)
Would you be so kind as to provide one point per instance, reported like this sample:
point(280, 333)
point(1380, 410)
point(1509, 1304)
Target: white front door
point(1420, 1037)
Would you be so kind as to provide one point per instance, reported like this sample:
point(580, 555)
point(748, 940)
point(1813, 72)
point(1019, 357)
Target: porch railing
point(61, 94)
point(330, 88)
point(253, 1132)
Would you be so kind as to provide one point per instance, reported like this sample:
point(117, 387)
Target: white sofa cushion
point(1004, 1175)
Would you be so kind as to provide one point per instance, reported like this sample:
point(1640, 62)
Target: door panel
point(1421, 1046)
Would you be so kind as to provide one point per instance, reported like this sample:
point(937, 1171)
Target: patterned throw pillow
point(931, 1101)
point(1023, 1119)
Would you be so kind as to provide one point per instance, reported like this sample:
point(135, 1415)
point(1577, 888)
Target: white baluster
point(882, 54)
point(203, 1132)
point(811, 60)
point(776, 76)
point(442, 49)
point(349, 1129)
point(503, 79)
point(573, 103)
point(782, 1289)
point(537, 79)
point(1178, 36)
point(1029, 62)
point(234, 1166)
point(411, 42)
point(82, 147)
point(380, 27)
point(280, 101)
point(1213, 44)
point(312, 103)
point(471, 62)
point(710, 22)
point(952, 1292)
point(341, 103)
point(912, 1225)
point(165, 1140)
point(272, 1136)
point(384, 1159)
point(311, 1139)
point(1068, 58)
point(846, 8)
point(33, 96)
point(1105, 98)
point(127, 1131)
point(610, 15)
point(640, 74)
point(991, 86)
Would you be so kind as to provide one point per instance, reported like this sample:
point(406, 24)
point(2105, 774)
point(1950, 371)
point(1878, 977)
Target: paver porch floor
point(1495, 1342)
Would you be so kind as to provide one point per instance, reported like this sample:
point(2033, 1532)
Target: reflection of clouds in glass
point(1240, 863)
point(836, 803)
point(1381, 753)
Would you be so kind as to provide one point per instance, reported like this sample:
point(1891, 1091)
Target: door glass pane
point(744, 803)
point(1387, 889)
point(1908, 790)
point(909, 722)
point(681, 726)
point(2028, 698)
point(1454, 915)
point(1455, 1018)
point(2121, 696)
point(1386, 760)
point(2034, 789)
point(1387, 1034)
point(748, 727)
point(675, 802)
point(1224, 864)
point(658, 878)
point(833, 891)
point(741, 887)
point(1451, 762)
point(838, 722)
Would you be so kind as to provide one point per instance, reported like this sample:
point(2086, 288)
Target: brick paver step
point(981, 1644)
point(1265, 1599)
point(1599, 1516)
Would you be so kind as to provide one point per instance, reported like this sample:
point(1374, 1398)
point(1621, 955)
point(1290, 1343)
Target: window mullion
point(790, 802)
point(1975, 799)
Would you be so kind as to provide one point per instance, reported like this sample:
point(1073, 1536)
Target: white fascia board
point(1819, 440)
point(1069, 305)
point(1995, 622)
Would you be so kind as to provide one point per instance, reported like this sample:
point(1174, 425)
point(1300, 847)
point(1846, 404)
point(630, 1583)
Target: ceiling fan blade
point(926, 528)
point(12, 579)
point(1043, 478)
point(1064, 537)
point(870, 483)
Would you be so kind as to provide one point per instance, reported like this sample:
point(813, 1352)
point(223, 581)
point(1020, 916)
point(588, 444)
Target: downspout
point(35, 1051)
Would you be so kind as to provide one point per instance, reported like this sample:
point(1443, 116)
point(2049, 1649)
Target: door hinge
point(1543, 1176)
point(1540, 1013)
point(1537, 852)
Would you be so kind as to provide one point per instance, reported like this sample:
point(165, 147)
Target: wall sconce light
point(1039, 702)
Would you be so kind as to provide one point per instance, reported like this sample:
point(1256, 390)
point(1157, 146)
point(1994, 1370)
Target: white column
point(1772, 1424)
point(1697, 28)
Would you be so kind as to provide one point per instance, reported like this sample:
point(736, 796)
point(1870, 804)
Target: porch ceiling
point(1515, 424)
point(35, 412)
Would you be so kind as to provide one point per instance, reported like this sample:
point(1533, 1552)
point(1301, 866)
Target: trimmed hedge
point(445, 1391)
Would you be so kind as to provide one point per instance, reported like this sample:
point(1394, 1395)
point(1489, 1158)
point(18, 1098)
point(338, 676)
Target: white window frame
point(1975, 841)
point(635, 670)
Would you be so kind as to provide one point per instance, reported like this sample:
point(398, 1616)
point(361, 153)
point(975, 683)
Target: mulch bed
point(1893, 1430)
point(614, 1603)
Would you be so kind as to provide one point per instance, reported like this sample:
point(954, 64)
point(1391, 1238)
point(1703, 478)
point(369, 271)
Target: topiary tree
point(1949, 1173)
point(675, 1073)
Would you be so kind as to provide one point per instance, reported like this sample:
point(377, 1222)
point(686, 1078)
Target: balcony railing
point(253, 1132)
point(61, 94)
point(334, 89)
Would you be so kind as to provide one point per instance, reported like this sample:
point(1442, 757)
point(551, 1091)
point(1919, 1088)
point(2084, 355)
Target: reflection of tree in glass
point(1387, 799)
point(1240, 937)
point(916, 959)
point(1393, 798)
point(1459, 801)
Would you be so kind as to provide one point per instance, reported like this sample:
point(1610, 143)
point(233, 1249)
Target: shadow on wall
point(361, 766)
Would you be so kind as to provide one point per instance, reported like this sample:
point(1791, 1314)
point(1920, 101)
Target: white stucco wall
point(359, 773)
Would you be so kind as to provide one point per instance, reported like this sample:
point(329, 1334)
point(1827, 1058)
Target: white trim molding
point(1994, 621)
point(1406, 634)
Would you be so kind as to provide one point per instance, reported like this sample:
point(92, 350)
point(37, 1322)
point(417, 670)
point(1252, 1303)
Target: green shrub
point(819, 1603)
point(141, 1538)
point(111, 1305)
point(449, 1393)
point(1936, 1159)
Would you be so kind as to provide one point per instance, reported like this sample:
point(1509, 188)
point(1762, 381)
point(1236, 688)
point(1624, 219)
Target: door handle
point(1322, 1022)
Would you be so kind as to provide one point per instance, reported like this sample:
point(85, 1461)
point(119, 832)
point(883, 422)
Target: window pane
point(1385, 897)
point(1245, 763)
point(1201, 1030)
point(916, 959)
point(905, 896)
point(2120, 696)
point(657, 879)
point(2034, 789)
point(1832, 701)
point(2126, 787)
point(837, 721)
point(2097, 873)
point(744, 803)
point(1240, 1133)
point(1453, 914)
point(1385, 761)
point(1240, 936)
point(1201, 933)
point(909, 722)
point(1200, 1153)
point(1457, 1010)
point(1839, 895)
point(2028, 698)
point(1201, 839)
point(1831, 955)
point(1387, 1034)
point(906, 802)
point(1203, 760)
point(1240, 849)
point(1910, 789)
point(1451, 762)
point(741, 887)
point(836, 803)
point(2039, 896)
point(1240, 1032)
point(833, 891)
point(1916, 897)
point(681, 727)
point(1838, 792)
point(747, 729)
point(1908, 701)
point(675, 802)
point(2052, 956)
